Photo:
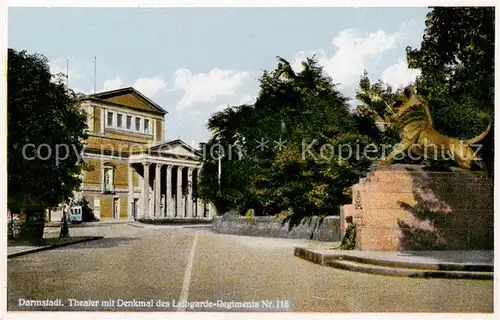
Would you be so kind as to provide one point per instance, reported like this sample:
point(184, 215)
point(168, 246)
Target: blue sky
point(195, 61)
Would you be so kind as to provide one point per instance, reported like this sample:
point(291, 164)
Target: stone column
point(180, 208)
point(199, 202)
point(169, 208)
point(199, 208)
point(189, 198)
point(157, 190)
point(145, 191)
point(150, 199)
point(211, 210)
point(141, 187)
point(130, 191)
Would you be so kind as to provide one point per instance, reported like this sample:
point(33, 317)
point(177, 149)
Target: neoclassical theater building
point(133, 173)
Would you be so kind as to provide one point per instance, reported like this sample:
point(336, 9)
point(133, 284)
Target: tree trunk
point(64, 226)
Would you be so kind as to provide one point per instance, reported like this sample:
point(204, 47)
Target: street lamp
point(219, 168)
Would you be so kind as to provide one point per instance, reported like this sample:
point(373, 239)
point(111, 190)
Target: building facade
point(132, 172)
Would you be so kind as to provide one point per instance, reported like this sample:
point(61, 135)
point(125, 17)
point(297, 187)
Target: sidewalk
point(89, 224)
point(158, 222)
point(50, 240)
point(474, 264)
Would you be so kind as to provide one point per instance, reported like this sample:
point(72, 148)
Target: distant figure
point(64, 227)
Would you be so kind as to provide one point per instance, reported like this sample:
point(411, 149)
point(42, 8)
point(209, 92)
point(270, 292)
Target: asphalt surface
point(163, 265)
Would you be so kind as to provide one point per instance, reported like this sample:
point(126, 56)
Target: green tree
point(280, 163)
point(309, 174)
point(456, 59)
point(43, 115)
point(376, 100)
point(227, 143)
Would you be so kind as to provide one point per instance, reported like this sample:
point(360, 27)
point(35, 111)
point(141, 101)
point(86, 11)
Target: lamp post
point(219, 167)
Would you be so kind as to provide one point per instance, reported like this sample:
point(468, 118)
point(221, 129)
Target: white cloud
point(150, 86)
point(80, 90)
point(112, 84)
point(353, 52)
point(398, 75)
point(61, 66)
point(207, 87)
point(245, 99)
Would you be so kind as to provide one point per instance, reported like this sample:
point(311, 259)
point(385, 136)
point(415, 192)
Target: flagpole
point(219, 171)
point(95, 72)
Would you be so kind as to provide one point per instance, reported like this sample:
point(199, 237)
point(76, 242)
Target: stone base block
point(406, 207)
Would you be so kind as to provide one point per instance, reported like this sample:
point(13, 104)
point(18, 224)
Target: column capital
point(146, 163)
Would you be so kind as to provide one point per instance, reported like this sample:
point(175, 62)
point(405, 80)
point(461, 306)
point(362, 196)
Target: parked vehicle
point(75, 214)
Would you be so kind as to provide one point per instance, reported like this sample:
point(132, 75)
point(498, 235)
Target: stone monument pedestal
point(407, 208)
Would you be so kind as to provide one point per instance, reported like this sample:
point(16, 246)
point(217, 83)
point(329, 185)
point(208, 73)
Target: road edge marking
point(187, 274)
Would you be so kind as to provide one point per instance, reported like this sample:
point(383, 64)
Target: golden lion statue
point(412, 120)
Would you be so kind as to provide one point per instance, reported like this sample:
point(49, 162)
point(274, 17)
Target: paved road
point(181, 263)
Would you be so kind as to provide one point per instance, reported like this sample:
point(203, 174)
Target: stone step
point(434, 264)
point(410, 273)
point(430, 266)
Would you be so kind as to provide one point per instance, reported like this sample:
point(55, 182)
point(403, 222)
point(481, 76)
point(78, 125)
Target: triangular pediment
point(176, 148)
point(129, 97)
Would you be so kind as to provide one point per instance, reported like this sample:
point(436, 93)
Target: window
point(110, 119)
point(119, 122)
point(129, 122)
point(108, 178)
point(137, 124)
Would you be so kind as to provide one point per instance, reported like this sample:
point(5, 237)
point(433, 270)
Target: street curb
point(88, 224)
point(174, 222)
point(176, 226)
point(396, 268)
point(54, 246)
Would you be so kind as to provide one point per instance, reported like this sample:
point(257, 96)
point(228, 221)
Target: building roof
point(172, 144)
point(128, 97)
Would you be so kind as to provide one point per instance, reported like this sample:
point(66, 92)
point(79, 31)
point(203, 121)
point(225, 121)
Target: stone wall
point(313, 228)
point(406, 207)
